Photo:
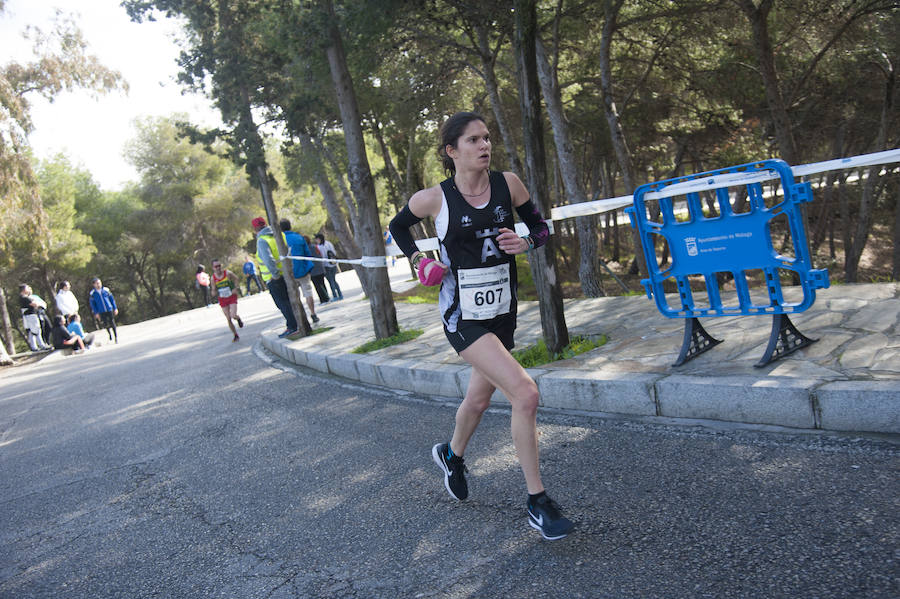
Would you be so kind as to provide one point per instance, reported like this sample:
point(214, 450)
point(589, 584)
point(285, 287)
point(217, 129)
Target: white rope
point(610, 204)
point(367, 261)
point(731, 179)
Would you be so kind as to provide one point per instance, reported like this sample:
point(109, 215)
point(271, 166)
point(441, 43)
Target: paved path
point(177, 464)
point(849, 380)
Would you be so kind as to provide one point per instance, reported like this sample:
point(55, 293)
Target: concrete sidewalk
point(847, 381)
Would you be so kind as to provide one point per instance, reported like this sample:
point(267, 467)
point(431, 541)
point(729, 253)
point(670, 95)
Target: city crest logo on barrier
point(691, 244)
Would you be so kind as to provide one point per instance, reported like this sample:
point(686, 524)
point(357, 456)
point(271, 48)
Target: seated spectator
point(75, 327)
point(62, 338)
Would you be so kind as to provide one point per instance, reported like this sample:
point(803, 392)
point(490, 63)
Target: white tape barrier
point(610, 204)
point(731, 179)
point(366, 261)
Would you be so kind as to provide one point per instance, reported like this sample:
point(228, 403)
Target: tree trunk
point(853, 253)
point(845, 220)
point(7, 327)
point(585, 226)
point(338, 173)
point(617, 134)
point(869, 193)
point(287, 265)
point(490, 82)
point(828, 209)
point(765, 56)
point(247, 134)
point(384, 314)
point(394, 180)
point(543, 260)
point(338, 221)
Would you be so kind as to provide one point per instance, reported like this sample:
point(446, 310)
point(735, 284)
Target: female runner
point(472, 212)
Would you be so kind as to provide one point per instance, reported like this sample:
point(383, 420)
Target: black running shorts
point(469, 331)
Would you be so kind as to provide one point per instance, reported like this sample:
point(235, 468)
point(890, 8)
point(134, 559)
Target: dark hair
point(285, 224)
point(59, 319)
point(320, 236)
point(200, 268)
point(61, 285)
point(72, 318)
point(451, 131)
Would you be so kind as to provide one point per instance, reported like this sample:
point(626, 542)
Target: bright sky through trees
point(92, 131)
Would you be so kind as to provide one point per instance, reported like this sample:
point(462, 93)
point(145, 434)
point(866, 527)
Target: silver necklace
point(473, 195)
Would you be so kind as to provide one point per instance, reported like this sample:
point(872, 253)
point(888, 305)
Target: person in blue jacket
point(104, 309)
point(302, 268)
point(250, 275)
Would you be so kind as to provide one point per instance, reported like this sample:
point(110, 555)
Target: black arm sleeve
point(537, 228)
point(399, 228)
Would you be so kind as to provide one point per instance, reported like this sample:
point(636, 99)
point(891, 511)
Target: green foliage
point(687, 103)
point(298, 197)
point(68, 248)
point(419, 294)
point(61, 62)
point(538, 354)
point(377, 344)
point(189, 207)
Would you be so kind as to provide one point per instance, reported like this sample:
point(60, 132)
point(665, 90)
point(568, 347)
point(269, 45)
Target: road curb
point(804, 403)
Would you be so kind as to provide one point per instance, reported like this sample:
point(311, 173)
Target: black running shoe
point(240, 322)
point(544, 515)
point(454, 471)
point(315, 318)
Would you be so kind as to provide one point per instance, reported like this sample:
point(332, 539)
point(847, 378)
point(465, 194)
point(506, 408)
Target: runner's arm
point(538, 231)
point(426, 202)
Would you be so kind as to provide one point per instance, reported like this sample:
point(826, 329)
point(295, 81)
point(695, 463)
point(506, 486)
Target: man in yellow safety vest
point(270, 269)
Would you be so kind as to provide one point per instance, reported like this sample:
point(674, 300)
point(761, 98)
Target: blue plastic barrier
point(707, 247)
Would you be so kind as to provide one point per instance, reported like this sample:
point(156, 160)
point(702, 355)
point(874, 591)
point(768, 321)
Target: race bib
point(224, 291)
point(484, 292)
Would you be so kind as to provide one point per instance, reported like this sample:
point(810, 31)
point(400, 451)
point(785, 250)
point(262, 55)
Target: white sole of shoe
point(538, 528)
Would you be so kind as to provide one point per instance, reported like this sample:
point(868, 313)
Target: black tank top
point(470, 241)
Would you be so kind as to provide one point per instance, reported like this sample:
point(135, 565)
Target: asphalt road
point(179, 464)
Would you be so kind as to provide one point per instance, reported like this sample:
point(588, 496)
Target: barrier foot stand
point(696, 341)
point(785, 339)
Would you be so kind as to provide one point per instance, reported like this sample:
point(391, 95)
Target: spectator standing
point(66, 302)
point(104, 309)
point(301, 268)
point(203, 285)
point(270, 269)
point(33, 307)
point(250, 275)
point(326, 249)
point(317, 274)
